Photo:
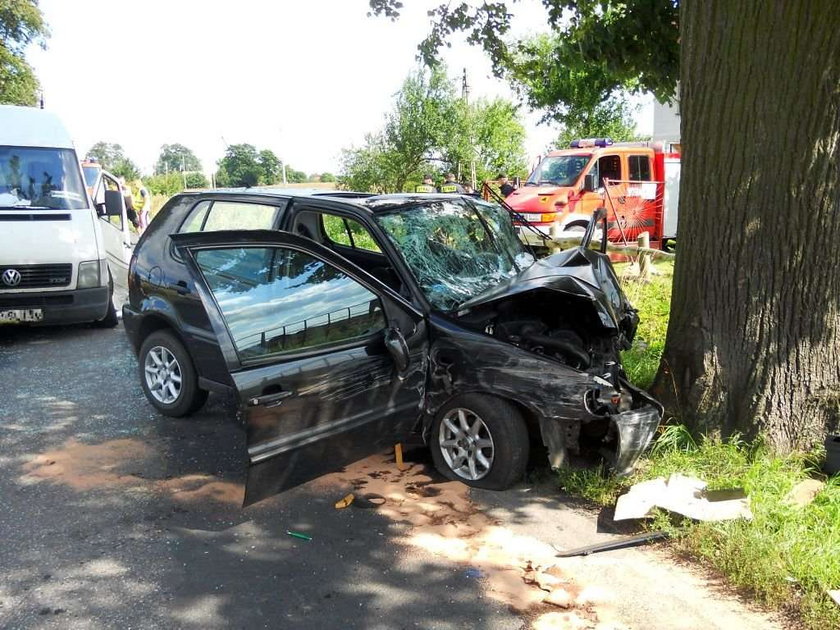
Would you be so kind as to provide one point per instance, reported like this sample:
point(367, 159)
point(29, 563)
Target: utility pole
point(465, 93)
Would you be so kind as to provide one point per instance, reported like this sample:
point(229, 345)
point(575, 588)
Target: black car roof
point(368, 201)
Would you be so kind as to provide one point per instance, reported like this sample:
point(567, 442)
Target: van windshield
point(39, 178)
point(456, 249)
point(560, 170)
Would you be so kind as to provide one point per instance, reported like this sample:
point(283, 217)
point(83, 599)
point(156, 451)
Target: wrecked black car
point(346, 323)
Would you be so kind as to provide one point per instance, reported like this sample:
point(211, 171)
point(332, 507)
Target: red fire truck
point(637, 182)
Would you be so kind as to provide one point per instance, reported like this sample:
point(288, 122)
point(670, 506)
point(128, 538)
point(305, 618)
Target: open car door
point(329, 363)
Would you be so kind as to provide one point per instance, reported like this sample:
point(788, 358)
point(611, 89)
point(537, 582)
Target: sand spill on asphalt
point(114, 463)
point(517, 571)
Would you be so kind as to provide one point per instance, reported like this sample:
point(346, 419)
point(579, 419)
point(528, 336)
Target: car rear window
point(211, 216)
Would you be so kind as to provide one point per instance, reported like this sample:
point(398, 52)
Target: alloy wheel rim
point(466, 444)
point(163, 375)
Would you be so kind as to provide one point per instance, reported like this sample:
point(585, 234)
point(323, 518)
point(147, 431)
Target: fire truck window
point(609, 167)
point(640, 168)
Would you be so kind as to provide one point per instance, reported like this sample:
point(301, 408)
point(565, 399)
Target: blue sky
point(304, 78)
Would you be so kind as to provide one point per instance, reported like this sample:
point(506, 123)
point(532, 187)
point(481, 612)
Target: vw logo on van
point(11, 277)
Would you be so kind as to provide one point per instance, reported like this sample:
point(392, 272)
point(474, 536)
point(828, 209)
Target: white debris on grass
point(681, 494)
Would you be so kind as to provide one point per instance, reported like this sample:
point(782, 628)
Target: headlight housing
point(92, 273)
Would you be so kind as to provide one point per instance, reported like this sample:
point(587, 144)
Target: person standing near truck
point(145, 209)
point(505, 188)
point(128, 197)
point(451, 185)
point(428, 185)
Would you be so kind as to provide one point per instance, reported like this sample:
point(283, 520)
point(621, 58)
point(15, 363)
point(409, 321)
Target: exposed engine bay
point(561, 328)
point(567, 329)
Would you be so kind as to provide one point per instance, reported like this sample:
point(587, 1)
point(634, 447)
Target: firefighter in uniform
point(450, 185)
point(428, 185)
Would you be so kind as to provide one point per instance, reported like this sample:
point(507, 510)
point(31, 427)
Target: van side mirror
point(113, 203)
point(590, 182)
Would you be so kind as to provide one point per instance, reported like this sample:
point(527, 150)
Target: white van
point(53, 258)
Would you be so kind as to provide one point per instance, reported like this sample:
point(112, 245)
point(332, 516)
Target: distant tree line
point(178, 168)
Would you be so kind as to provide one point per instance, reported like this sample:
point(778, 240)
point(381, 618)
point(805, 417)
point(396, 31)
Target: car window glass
point(639, 168)
point(336, 230)
point(196, 218)
point(609, 167)
point(234, 215)
point(349, 233)
point(277, 300)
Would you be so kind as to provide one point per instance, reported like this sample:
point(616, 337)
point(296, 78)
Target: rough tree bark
point(753, 344)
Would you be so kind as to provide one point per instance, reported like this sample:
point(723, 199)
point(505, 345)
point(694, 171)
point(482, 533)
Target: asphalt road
point(114, 516)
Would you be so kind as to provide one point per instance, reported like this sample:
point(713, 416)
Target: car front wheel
point(168, 376)
point(480, 440)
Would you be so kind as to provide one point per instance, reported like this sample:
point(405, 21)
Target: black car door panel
point(303, 333)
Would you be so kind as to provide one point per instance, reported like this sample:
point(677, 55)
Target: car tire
point(168, 376)
point(496, 455)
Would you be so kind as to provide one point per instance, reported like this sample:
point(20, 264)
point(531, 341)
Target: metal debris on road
point(621, 543)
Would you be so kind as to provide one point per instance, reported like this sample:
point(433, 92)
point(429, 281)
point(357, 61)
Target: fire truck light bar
point(591, 142)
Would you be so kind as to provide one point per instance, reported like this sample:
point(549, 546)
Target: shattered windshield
point(456, 250)
point(40, 178)
point(561, 170)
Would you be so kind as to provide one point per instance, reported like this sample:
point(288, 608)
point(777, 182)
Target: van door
point(115, 231)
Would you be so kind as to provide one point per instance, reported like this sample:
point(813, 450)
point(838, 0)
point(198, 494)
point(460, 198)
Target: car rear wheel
point(168, 376)
point(481, 441)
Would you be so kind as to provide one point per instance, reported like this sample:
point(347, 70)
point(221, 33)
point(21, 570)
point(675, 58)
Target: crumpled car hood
point(579, 272)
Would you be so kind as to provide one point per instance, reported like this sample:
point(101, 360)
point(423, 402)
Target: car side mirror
point(590, 182)
point(113, 203)
point(397, 348)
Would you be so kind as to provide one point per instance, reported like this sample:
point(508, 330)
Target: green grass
point(653, 299)
point(785, 557)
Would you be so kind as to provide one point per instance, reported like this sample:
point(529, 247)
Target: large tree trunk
point(753, 344)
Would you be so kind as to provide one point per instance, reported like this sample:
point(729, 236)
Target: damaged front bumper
point(635, 429)
point(626, 434)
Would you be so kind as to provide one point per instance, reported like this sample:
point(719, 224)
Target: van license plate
point(21, 315)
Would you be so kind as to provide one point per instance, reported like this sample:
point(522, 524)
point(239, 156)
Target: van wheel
point(481, 441)
point(110, 320)
point(168, 375)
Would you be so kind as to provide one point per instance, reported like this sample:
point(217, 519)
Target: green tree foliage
point(239, 167)
point(21, 24)
point(612, 119)
point(431, 129)
point(170, 183)
point(244, 165)
point(488, 133)
point(326, 177)
point(166, 184)
point(176, 158)
point(598, 51)
point(196, 180)
point(112, 158)
point(294, 176)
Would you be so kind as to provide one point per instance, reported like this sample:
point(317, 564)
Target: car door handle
point(269, 400)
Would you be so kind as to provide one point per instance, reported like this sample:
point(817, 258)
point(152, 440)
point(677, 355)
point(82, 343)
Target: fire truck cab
point(637, 182)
